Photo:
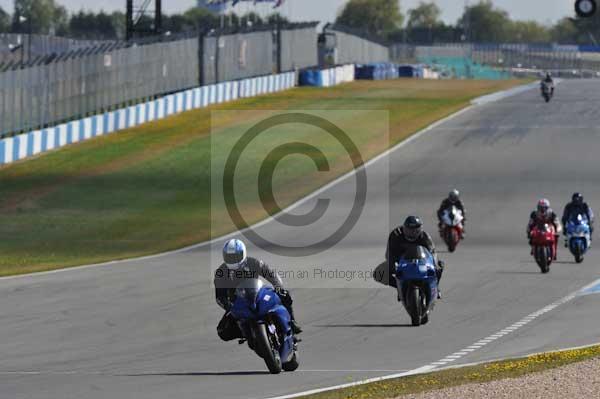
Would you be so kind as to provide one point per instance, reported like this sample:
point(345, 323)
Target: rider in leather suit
point(235, 268)
point(544, 214)
point(410, 234)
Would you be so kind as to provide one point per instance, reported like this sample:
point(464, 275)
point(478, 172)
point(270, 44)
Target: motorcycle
point(452, 228)
point(547, 91)
point(417, 284)
point(543, 240)
point(578, 236)
point(266, 325)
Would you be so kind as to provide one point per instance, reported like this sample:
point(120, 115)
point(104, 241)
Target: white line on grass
point(271, 218)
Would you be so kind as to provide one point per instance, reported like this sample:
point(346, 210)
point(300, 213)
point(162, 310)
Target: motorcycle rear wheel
point(292, 364)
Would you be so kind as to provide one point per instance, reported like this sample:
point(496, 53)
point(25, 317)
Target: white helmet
point(234, 254)
point(454, 195)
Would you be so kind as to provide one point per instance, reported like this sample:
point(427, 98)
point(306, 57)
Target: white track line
point(456, 355)
point(420, 370)
point(474, 103)
point(267, 220)
point(514, 327)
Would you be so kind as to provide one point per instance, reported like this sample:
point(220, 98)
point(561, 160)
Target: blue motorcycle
point(578, 236)
point(265, 323)
point(417, 284)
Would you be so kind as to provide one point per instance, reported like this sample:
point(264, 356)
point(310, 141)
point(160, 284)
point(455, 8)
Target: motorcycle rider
point(408, 235)
point(236, 267)
point(577, 206)
point(544, 214)
point(548, 81)
point(453, 199)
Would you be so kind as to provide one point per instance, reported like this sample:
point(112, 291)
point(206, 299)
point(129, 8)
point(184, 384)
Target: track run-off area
point(146, 328)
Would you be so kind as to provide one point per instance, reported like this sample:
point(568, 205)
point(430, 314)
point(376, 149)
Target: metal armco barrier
point(38, 141)
point(41, 91)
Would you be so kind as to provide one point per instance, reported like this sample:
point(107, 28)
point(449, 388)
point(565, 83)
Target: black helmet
point(412, 228)
point(577, 198)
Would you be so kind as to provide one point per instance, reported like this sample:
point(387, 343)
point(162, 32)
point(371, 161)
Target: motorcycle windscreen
point(416, 263)
point(415, 253)
point(579, 220)
point(248, 290)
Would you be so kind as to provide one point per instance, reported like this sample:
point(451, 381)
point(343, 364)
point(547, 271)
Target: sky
point(545, 11)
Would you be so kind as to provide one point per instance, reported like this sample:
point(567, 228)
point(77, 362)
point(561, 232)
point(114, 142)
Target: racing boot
point(295, 327)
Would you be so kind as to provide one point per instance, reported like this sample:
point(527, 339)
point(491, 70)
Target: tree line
point(481, 22)
point(49, 18)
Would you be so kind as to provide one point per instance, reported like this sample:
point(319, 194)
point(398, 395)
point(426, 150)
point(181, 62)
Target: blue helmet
point(234, 254)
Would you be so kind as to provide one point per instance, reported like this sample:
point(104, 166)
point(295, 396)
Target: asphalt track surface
point(146, 329)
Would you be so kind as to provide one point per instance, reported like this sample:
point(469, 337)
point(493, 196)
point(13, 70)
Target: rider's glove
point(225, 304)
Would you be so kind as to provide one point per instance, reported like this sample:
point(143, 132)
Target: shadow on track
point(197, 374)
point(517, 272)
point(556, 262)
point(363, 325)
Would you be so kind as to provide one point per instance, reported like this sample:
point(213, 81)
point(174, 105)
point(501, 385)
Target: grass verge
point(147, 190)
point(460, 376)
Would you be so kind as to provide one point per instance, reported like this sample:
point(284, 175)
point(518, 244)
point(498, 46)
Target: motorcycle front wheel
point(451, 239)
point(413, 302)
point(576, 250)
point(542, 256)
point(265, 349)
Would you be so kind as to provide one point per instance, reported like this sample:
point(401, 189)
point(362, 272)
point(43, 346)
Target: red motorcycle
point(544, 243)
point(452, 227)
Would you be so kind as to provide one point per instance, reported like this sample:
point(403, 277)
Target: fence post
point(278, 33)
point(217, 54)
point(201, 57)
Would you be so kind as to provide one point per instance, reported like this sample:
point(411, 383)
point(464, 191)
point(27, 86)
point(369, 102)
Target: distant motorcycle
point(417, 284)
point(547, 91)
point(266, 325)
point(452, 227)
point(578, 236)
point(543, 239)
